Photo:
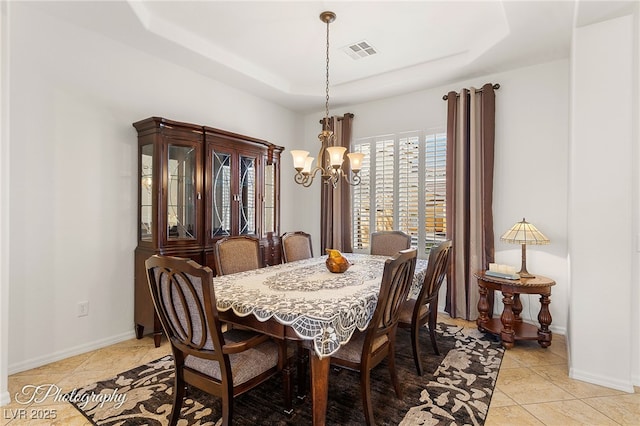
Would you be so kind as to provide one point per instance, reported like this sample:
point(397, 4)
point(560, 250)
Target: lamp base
point(525, 274)
point(523, 267)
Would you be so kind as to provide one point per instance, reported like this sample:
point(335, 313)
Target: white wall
point(4, 208)
point(635, 289)
point(74, 95)
point(602, 226)
point(530, 177)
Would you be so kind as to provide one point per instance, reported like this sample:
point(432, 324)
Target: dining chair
point(388, 243)
point(296, 246)
point(225, 364)
point(415, 313)
point(367, 349)
point(236, 254)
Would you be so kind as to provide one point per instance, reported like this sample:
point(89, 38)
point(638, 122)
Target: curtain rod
point(495, 87)
point(348, 114)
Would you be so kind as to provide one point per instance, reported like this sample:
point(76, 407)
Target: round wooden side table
point(510, 326)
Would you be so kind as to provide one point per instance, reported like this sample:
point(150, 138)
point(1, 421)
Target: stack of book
point(502, 271)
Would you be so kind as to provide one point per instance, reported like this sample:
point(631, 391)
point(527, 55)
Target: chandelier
point(330, 158)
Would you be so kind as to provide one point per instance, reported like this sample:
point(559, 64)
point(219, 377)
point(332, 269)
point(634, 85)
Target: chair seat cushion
point(352, 351)
point(406, 311)
point(244, 365)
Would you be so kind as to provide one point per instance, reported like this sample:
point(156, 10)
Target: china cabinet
point(198, 184)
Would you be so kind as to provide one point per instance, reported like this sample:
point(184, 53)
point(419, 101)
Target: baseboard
point(557, 330)
point(5, 398)
point(77, 350)
point(624, 386)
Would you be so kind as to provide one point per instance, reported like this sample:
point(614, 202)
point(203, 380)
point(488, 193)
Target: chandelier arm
point(315, 171)
point(303, 180)
point(300, 178)
point(355, 180)
point(306, 179)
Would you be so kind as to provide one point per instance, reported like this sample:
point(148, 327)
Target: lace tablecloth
point(304, 295)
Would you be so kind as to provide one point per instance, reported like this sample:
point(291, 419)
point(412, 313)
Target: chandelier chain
point(326, 105)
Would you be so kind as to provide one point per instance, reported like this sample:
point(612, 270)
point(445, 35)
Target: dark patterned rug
point(455, 389)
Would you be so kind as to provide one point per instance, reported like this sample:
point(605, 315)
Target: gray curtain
point(335, 204)
point(470, 152)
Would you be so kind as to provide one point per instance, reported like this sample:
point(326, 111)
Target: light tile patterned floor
point(533, 387)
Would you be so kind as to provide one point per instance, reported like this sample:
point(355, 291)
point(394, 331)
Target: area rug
point(456, 389)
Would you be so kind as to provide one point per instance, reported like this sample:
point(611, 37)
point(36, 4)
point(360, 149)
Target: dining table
point(304, 301)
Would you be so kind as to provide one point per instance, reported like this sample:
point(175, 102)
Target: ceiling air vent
point(359, 50)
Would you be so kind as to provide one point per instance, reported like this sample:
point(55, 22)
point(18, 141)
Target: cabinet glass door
point(269, 198)
point(181, 193)
point(221, 200)
point(146, 192)
point(247, 196)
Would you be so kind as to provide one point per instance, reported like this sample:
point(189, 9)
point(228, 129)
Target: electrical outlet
point(83, 309)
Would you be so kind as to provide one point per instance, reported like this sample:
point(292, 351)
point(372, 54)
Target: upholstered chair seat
point(406, 312)
point(352, 351)
point(244, 365)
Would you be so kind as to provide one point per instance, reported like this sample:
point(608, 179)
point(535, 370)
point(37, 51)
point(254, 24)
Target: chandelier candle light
point(524, 233)
point(330, 157)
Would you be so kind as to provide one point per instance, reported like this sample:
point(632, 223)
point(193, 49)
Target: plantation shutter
point(361, 200)
point(403, 188)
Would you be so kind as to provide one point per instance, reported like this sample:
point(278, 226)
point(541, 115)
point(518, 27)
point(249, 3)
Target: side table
point(510, 326)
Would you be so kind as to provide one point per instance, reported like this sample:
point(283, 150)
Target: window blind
point(403, 188)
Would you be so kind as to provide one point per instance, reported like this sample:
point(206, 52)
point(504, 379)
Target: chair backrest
point(236, 254)
point(296, 246)
point(388, 243)
point(437, 269)
point(183, 296)
point(394, 290)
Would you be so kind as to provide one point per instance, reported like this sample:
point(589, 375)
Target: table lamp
point(524, 233)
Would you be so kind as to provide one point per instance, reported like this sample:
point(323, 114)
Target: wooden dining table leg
point(319, 387)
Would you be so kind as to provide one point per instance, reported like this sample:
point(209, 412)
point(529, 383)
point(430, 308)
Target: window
point(403, 187)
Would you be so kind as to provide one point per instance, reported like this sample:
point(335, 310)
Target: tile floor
point(533, 387)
